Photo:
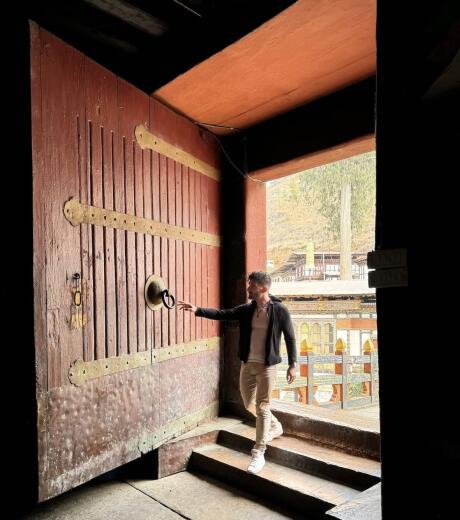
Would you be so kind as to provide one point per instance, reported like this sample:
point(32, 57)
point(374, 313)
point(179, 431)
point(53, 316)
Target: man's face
point(255, 290)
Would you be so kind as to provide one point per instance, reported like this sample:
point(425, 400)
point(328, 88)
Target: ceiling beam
point(351, 148)
point(332, 128)
point(308, 51)
point(132, 15)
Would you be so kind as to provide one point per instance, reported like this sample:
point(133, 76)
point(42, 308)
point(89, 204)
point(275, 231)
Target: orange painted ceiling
point(311, 49)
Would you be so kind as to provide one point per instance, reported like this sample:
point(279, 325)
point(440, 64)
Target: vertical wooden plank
point(101, 96)
point(110, 123)
point(198, 249)
point(212, 292)
point(218, 262)
point(53, 330)
point(213, 253)
point(99, 316)
point(139, 244)
point(82, 146)
point(85, 268)
point(179, 255)
point(61, 102)
point(256, 235)
point(95, 234)
point(133, 109)
point(39, 251)
point(148, 241)
point(171, 281)
point(87, 245)
point(164, 244)
point(131, 287)
point(204, 258)
point(120, 241)
point(186, 257)
point(192, 225)
point(156, 241)
point(130, 238)
point(39, 197)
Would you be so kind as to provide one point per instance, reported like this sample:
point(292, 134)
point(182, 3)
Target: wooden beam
point(330, 129)
point(312, 160)
point(132, 15)
point(309, 50)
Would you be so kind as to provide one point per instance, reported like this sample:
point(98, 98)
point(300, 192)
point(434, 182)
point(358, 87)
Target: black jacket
point(279, 321)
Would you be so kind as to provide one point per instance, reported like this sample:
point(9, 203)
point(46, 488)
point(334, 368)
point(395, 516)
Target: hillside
point(292, 220)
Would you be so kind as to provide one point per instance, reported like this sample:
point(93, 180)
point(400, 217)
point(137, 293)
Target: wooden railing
point(342, 376)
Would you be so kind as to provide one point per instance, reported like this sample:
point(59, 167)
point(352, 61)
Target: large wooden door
point(115, 379)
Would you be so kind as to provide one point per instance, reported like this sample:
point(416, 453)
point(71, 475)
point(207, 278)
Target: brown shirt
point(258, 336)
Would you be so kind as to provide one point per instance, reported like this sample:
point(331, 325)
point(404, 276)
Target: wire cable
point(229, 159)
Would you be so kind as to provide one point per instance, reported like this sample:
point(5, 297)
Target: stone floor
point(372, 412)
point(366, 417)
point(183, 495)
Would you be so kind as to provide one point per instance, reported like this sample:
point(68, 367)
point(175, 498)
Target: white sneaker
point(277, 431)
point(257, 461)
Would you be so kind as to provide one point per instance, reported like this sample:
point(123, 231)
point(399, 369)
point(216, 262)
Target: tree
point(322, 187)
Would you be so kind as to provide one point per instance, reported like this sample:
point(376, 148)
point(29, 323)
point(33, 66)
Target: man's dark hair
point(260, 278)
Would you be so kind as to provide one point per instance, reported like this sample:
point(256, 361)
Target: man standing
point(261, 323)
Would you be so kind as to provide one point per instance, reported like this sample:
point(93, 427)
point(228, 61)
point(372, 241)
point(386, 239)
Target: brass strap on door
point(82, 371)
point(145, 139)
point(77, 213)
point(151, 440)
point(184, 349)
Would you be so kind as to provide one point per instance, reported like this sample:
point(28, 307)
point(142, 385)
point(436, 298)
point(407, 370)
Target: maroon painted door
point(114, 378)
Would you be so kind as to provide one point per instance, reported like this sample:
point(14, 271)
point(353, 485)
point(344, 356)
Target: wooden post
point(368, 348)
point(306, 349)
point(341, 389)
point(370, 388)
point(302, 393)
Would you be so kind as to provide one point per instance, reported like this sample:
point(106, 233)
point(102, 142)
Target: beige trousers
point(256, 384)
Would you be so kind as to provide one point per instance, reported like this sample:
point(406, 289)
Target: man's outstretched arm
point(211, 314)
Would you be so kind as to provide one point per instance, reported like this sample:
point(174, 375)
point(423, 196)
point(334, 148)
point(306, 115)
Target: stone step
point(339, 429)
point(356, 472)
point(366, 506)
point(293, 489)
point(173, 456)
point(200, 497)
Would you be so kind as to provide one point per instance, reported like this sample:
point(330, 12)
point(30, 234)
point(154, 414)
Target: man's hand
point(291, 374)
point(186, 306)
